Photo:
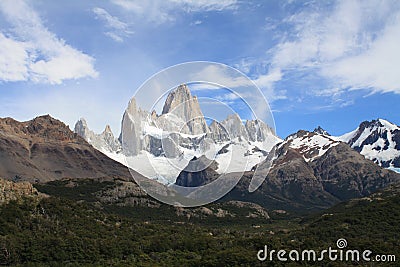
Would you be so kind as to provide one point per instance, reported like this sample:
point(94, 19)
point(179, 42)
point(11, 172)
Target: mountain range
point(310, 170)
point(110, 221)
point(180, 133)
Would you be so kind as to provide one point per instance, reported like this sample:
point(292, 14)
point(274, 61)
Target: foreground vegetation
point(64, 231)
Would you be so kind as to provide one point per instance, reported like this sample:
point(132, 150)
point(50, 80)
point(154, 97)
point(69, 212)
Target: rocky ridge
point(105, 140)
point(45, 149)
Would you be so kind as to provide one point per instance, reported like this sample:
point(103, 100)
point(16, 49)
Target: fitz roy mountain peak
point(181, 132)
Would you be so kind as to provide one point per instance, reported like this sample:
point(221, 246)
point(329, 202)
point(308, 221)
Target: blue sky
point(328, 63)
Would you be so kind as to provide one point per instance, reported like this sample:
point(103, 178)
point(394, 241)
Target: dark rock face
point(44, 127)
point(294, 179)
point(371, 139)
point(206, 173)
point(396, 138)
point(45, 149)
point(296, 185)
point(346, 174)
point(291, 185)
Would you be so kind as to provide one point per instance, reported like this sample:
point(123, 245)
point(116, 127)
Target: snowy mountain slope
point(311, 145)
point(378, 140)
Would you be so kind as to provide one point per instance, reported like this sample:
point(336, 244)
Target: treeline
point(61, 232)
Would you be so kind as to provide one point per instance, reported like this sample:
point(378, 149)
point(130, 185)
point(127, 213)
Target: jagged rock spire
point(186, 107)
point(320, 130)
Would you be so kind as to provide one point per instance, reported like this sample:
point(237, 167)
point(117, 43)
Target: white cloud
point(232, 79)
point(117, 29)
point(221, 75)
point(268, 79)
point(205, 5)
point(112, 22)
point(31, 52)
point(160, 11)
point(240, 87)
point(116, 37)
point(13, 59)
point(320, 35)
point(270, 24)
point(154, 11)
point(352, 44)
point(376, 68)
point(196, 22)
point(228, 97)
point(263, 76)
point(266, 83)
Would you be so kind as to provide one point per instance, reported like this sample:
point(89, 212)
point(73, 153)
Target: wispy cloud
point(205, 5)
point(228, 97)
point(161, 11)
point(31, 52)
point(231, 79)
point(221, 75)
point(14, 59)
point(117, 30)
point(241, 88)
point(375, 68)
point(196, 22)
point(352, 44)
point(325, 50)
point(320, 33)
point(266, 83)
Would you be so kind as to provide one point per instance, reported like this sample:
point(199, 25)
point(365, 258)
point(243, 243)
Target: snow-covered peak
point(107, 130)
point(310, 145)
point(320, 130)
point(218, 131)
point(347, 136)
point(388, 125)
point(377, 140)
